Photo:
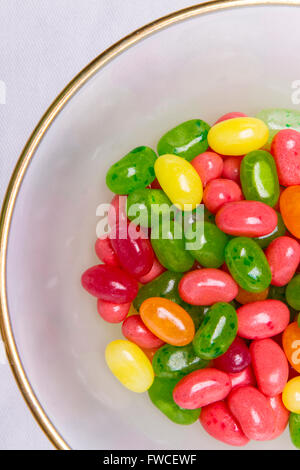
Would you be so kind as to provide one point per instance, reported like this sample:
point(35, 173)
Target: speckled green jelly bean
point(217, 331)
point(259, 177)
point(134, 171)
point(173, 362)
point(209, 242)
point(277, 119)
point(247, 264)
point(294, 426)
point(278, 231)
point(278, 293)
point(141, 203)
point(186, 140)
point(161, 395)
point(292, 292)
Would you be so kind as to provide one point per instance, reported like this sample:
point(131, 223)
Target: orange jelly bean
point(290, 209)
point(168, 321)
point(291, 345)
point(245, 297)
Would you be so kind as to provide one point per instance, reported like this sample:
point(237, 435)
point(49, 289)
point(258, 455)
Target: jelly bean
point(187, 140)
point(161, 395)
point(246, 218)
point(277, 119)
point(168, 321)
point(231, 115)
point(207, 286)
point(291, 345)
point(110, 284)
point(220, 191)
point(208, 244)
point(283, 256)
point(156, 270)
point(278, 293)
point(262, 319)
point(105, 252)
point(290, 209)
point(170, 248)
point(270, 366)
point(219, 423)
point(235, 359)
point(172, 362)
point(143, 205)
point(150, 353)
point(238, 136)
point(208, 216)
point(247, 264)
point(231, 168)
point(286, 151)
point(281, 415)
point(134, 329)
point(259, 177)
point(292, 292)
point(155, 184)
point(245, 297)
point(217, 331)
point(245, 377)
point(209, 166)
point(111, 312)
point(279, 231)
point(201, 387)
point(179, 180)
point(294, 425)
point(134, 171)
point(253, 412)
point(117, 211)
point(291, 395)
point(129, 365)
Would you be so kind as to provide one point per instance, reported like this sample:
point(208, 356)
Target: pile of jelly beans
point(211, 333)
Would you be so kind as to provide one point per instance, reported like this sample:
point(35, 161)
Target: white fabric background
point(43, 44)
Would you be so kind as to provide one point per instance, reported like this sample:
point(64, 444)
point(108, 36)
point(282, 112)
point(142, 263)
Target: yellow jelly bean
point(238, 136)
point(179, 180)
point(291, 395)
point(130, 365)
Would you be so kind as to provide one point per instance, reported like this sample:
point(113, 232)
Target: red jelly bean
point(112, 313)
point(231, 168)
point(105, 252)
point(283, 255)
point(232, 115)
point(245, 377)
point(220, 191)
point(286, 151)
point(281, 415)
point(270, 366)
point(135, 330)
point(209, 165)
point(156, 270)
point(219, 423)
point(117, 214)
point(262, 319)
point(201, 387)
point(207, 286)
point(246, 218)
point(110, 284)
point(253, 412)
point(235, 359)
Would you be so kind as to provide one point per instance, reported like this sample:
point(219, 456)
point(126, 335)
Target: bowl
point(198, 63)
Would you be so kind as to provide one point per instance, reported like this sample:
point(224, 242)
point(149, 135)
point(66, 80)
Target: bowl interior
point(237, 60)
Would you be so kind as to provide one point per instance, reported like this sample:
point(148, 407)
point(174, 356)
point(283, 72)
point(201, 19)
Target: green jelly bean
point(209, 216)
point(161, 395)
point(247, 264)
point(277, 119)
point(186, 140)
point(278, 231)
point(259, 177)
point(173, 362)
point(278, 293)
point(292, 292)
point(217, 331)
point(206, 243)
point(147, 204)
point(134, 171)
point(294, 426)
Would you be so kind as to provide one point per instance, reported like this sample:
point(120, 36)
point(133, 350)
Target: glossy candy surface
point(231, 168)
point(278, 118)
point(286, 151)
point(291, 345)
point(111, 312)
point(134, 329)
point(231, 115)
point(245, 377)
point(156, 270)
point(105, 251)
point(291, 395)
point(235, 359)
point(281, 415)
point(292, 292)
point(245, 297)
point(219, 192)
point(117, 211)
point(290, 209)
point(279, 231)
point(283, 256)
point(144, 203)
point(294, 425)
point(209, 166)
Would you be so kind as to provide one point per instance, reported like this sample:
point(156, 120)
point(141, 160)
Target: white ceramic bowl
point(240, 59)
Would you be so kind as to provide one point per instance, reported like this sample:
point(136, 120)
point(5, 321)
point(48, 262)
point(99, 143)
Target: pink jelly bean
point(209, 166)
point(246, 218)
point(281, 415)
point(231, 168)
point(105, 252)
point(219, 423)
point(270, 366)
point(201, 387)
point(207, 286)
point(219, 192)
point(134, 329)
point(156, 270)
point(253, 412)
point(232, 115)
point(283, 255)
point(117, 214)
point(262, 319)
point(111, 312)
point(235, 359)
point(286, 151)
point(245, 377)
point(110, 283)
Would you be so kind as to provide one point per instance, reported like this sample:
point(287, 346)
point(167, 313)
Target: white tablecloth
point(43, 44)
